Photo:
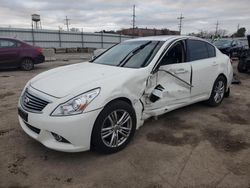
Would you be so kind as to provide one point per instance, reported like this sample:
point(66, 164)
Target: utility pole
point(133, 20)
point(67, 23)
point(238, 27)
point(216, 28)
point(180, 24)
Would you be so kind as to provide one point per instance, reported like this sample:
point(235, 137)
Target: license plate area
point(23, 115)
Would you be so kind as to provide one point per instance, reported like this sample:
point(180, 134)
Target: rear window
point(197, 50)
point(211, 50)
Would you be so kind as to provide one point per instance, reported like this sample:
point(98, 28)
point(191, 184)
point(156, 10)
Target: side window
point(211, 50)
point(196, 50)
point(176, 54)
point(7, 44)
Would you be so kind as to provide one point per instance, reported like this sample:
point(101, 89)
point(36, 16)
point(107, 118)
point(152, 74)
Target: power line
point(67, 23)
point(180, 24)
point(133, 20)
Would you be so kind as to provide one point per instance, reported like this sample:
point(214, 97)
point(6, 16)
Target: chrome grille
point(32, 103)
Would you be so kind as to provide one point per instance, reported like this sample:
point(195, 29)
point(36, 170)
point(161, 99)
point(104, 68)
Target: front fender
point(130, 87)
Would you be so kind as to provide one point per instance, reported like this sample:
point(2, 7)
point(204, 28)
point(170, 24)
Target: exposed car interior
point(175, 55)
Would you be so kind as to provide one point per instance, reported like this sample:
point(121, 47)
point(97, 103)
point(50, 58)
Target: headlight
point(76, 105)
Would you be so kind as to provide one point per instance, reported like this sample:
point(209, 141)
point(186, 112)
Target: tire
point(227, 93)
point(104, 137)
point(242, 67)
point(27, 64)
point(218, 92)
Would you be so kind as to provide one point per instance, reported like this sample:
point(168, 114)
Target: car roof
point(165, 38)
point(10, 38)
point(225, 39)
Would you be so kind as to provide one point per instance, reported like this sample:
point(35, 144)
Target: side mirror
point(92, 57)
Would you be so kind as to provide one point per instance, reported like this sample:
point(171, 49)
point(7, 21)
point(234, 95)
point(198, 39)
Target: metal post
point(102, 39)
point(133, 16)
point(82, 39)
point(216, 28)
point(59, 36)
point(180, 24)
point(33, 36)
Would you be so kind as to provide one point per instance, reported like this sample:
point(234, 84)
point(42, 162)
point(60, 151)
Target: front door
point(170, 86)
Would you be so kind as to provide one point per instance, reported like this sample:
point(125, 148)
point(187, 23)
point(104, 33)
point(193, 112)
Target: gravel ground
point(196, 146)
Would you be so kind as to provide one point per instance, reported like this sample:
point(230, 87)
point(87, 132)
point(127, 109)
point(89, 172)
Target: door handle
point(180, 71)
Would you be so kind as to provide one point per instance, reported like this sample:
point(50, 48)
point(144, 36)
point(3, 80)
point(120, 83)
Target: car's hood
point(62, 81)
point(222, 46)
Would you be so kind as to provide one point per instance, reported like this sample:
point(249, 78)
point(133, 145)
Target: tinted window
point(7, 44)
point(234, 43)
point(222, 43)
point(211, 50)
point(197, 50)
point(176, 54)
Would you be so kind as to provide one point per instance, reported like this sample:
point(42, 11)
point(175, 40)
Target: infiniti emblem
point(26, 100)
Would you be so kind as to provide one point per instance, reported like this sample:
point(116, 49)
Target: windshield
point(224, 43)
point(132, 54)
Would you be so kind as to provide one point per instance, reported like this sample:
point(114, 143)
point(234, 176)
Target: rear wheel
point(114, 127)
point(242, 67)
point(27, 64)
point(218, 92)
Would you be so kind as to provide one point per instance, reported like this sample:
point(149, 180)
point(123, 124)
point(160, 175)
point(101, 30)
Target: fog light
point(59, 138)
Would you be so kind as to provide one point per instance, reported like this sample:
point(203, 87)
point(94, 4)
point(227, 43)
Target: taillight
point(39, 50)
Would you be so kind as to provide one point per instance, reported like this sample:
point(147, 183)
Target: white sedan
point(99, 104)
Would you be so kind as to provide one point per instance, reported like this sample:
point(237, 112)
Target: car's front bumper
point(75, 129)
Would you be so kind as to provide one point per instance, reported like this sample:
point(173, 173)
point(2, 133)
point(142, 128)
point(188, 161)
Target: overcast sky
point(96, 15)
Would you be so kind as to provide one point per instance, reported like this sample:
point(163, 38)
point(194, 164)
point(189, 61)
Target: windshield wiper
point(132, 53)
point(150, 54)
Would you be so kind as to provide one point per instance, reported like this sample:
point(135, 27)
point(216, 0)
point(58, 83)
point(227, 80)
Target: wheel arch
point(124, 99)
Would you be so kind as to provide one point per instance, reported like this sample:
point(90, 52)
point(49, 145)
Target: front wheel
point(114, 127)
point(218, 92)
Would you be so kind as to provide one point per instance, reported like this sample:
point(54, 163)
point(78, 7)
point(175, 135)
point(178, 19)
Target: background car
point(232, 48)
point(18, 54)
point(244, 59)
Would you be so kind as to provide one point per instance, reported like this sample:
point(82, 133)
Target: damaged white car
point(99, 104)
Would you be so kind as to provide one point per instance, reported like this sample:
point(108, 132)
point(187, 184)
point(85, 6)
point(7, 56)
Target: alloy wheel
point(219, 91)
point(116, 128)
point(27, 64)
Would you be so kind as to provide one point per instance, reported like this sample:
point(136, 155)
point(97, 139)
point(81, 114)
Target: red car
point(18, 54)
